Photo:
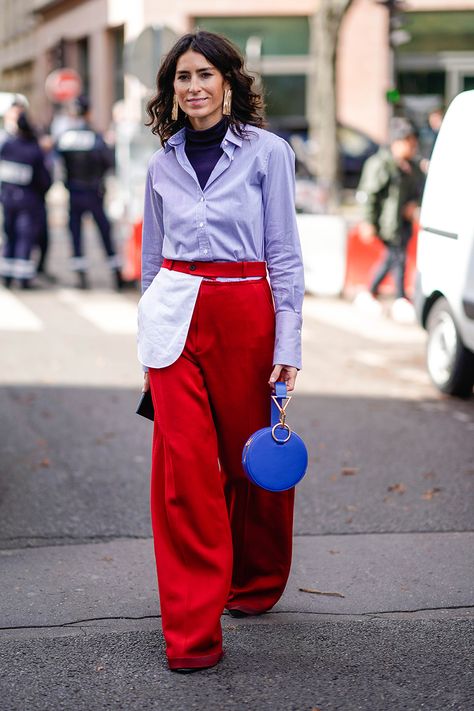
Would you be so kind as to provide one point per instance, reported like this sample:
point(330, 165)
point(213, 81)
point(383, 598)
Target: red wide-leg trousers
point(220, 541)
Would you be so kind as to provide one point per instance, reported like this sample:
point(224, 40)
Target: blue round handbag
point(274, 457)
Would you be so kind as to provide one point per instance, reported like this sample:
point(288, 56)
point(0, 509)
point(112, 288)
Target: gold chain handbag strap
point(280, 397)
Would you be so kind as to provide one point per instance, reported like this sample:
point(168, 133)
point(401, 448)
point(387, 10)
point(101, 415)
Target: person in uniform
point(24, 179)
point(43, 244)
point(87, 158)
point(214, 336)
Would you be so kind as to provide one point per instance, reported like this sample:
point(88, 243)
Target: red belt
point(217, 269)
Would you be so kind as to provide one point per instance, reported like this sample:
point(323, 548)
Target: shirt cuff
point(288, 339)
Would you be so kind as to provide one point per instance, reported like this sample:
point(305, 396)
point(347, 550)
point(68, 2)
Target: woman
point(219, 204)
point(25, 180)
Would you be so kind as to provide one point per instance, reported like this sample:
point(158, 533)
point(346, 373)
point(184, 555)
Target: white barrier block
point(324, 246)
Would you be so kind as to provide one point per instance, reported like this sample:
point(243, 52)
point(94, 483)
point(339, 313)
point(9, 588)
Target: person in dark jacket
point(87, 158)
point(25, 181)
point(429, 132)
point(390, 189)
point(43, 242)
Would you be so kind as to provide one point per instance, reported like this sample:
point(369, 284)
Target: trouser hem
point(209, 660)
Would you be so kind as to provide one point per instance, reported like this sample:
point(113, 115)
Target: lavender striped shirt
point(244, 213)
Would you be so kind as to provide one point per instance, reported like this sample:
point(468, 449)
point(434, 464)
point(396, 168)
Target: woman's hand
point(285, 374)
point(146, 382)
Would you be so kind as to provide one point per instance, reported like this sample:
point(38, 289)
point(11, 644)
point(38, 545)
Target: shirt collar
point(232, 137)
point(180, 137)
point(175, 139)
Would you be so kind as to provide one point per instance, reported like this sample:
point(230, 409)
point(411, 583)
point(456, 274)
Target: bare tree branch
point(324, 32)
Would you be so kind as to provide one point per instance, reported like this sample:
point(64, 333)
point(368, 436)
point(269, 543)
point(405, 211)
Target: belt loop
point(244, 270)
point(172, 264)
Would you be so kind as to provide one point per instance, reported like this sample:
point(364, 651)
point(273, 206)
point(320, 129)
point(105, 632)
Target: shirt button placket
point(199, 215)
point(201, 211)
point(203, 245)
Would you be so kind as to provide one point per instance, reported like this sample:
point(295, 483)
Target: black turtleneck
point(203, 148)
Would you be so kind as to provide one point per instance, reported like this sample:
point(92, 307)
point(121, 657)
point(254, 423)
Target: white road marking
point(108, 312)
point(379, 360)
point(370, 358)
point(412, 375)
point(344, 316)
point(15, 316)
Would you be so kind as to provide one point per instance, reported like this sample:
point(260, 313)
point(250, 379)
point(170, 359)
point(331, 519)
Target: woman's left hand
point(284, 373)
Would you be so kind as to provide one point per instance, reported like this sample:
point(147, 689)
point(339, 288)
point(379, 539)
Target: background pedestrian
point(429, 132)
point(43, 242)
point(390, 188)
point(87, 158)
point(25, 180)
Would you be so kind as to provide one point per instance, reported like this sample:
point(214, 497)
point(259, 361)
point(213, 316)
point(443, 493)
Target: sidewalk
point(383, 523)
point(366, 574)
point(81, 630)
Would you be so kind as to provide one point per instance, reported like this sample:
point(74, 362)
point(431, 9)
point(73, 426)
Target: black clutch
point(145, 406)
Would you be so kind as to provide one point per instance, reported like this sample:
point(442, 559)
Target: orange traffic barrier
point(132, 268)
point(363, 257)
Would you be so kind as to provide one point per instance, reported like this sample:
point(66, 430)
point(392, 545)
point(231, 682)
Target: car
point(444, 289)
point(354, 149)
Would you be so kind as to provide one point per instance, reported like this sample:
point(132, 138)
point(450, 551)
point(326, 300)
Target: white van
point(444, 294)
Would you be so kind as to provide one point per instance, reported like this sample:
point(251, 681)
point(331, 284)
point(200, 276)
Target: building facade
point(97, 38)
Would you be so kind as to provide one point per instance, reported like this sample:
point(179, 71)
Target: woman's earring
point(174, 110)
point(226, 106)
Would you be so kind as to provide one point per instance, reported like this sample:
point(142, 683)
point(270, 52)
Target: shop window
point(117, 36)
point(439, 31)
point(418, 82)
point(468, 82)
point(285, 100)
point(83, 63)
point(279, 35)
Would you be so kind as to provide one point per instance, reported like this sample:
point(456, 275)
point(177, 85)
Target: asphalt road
point(384, 519)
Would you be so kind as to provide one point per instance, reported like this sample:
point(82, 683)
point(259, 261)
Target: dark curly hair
point(247, 104)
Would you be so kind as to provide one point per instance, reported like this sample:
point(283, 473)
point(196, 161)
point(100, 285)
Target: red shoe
point(235, 612)
point(211, 661)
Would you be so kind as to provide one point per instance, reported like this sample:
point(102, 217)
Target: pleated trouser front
point(220, 541)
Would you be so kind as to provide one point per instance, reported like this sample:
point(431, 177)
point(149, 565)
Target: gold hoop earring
point(174, 110)
point(227, 105)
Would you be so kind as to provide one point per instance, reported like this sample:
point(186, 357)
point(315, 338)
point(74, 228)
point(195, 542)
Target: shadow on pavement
point(75, 465)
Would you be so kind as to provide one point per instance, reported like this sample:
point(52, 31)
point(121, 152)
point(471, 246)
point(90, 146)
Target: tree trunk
point(324, 31)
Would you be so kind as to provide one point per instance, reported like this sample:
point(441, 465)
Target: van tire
point(450, 364)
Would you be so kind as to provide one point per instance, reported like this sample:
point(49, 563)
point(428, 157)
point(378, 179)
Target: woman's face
point(199, 87)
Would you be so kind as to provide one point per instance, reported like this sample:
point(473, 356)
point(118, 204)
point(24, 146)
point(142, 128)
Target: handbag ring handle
point(283, 426)
point(279, 411)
